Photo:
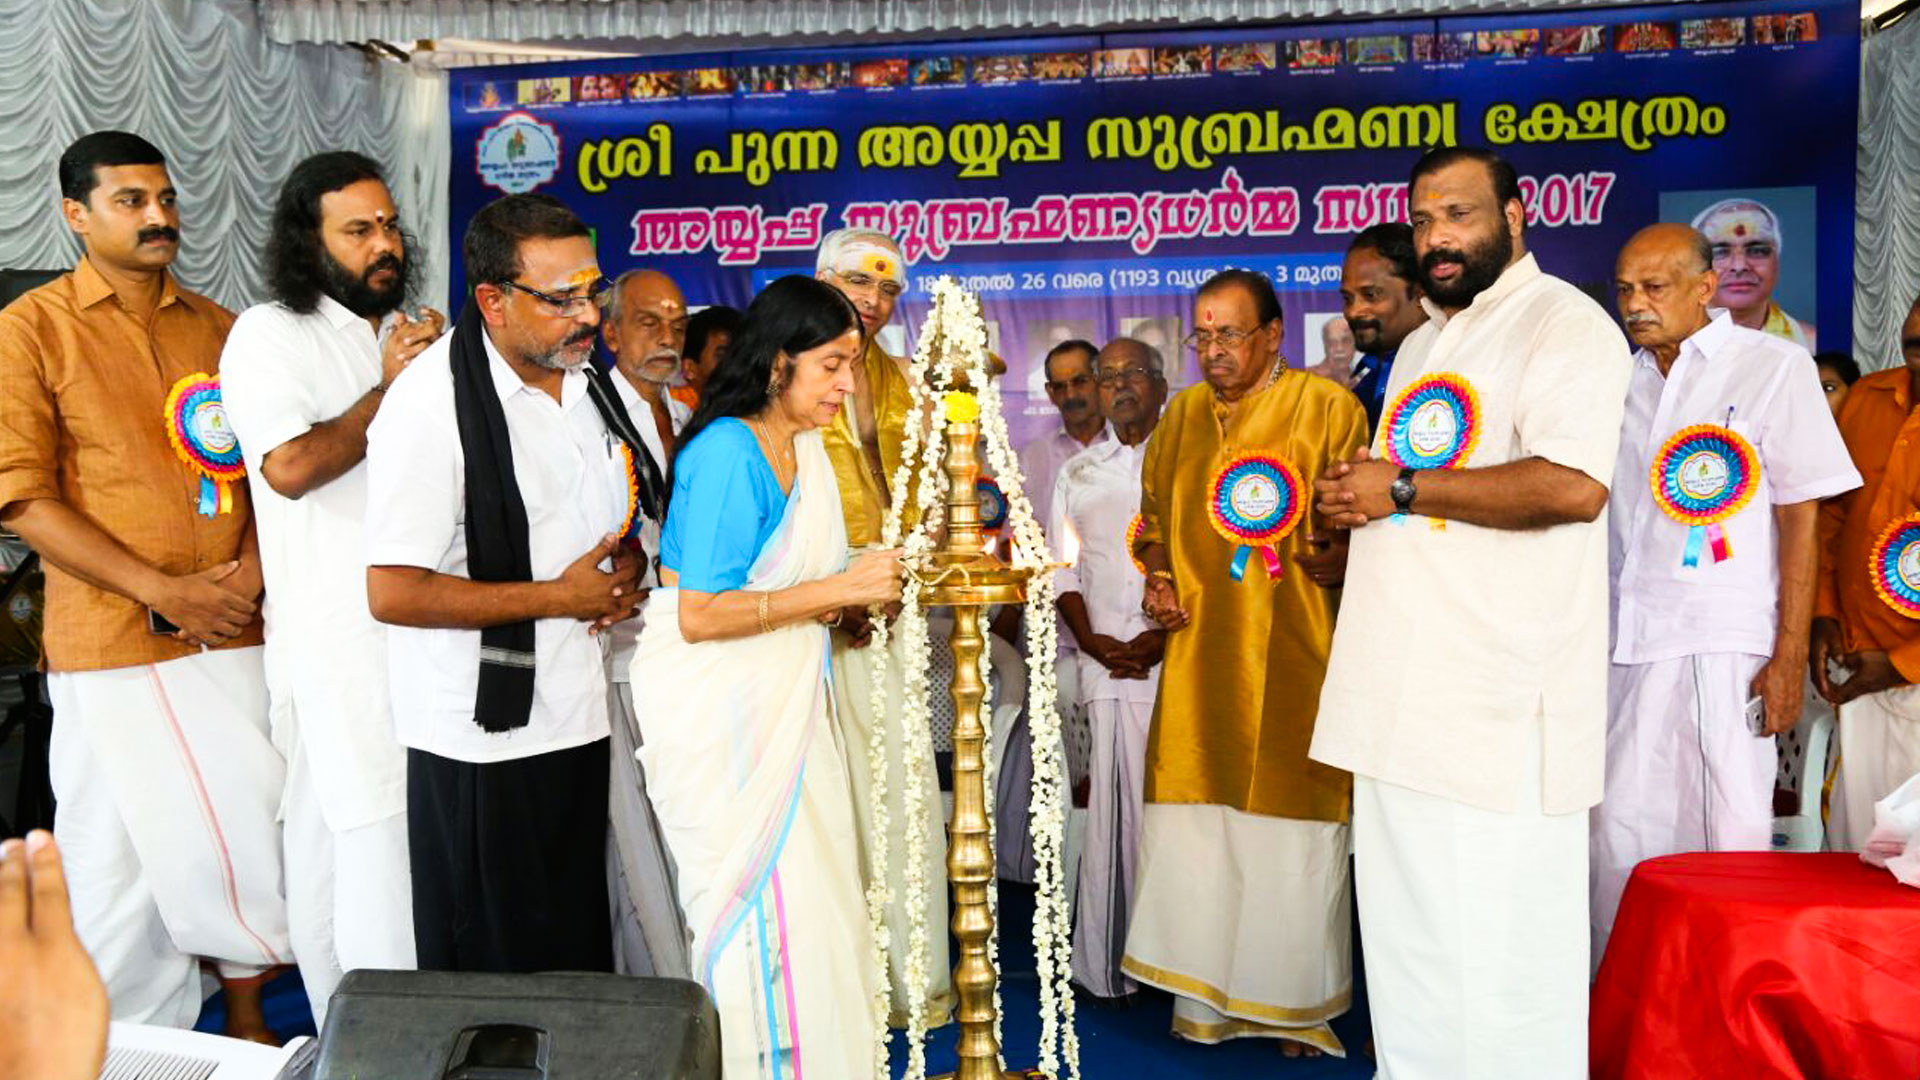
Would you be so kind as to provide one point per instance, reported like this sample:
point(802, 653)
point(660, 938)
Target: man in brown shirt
point(167, 782)
point(1866, 607)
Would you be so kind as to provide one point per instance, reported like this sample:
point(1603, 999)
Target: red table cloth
point(1760, 965)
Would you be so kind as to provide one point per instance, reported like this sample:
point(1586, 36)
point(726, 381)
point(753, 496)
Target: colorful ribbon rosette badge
point(630, 524)
point(1134, 528)
point(198, 429)
point(1254, 502)
point(1894, 566)
point(993, 505)
point(1433, 424)
point(1702, 476)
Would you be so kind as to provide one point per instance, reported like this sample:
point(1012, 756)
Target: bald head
point(1671, 240)
point(1133, 387)
point(1664, 278)
point(1122, 352)
point(645, 325)
point(1336, 339)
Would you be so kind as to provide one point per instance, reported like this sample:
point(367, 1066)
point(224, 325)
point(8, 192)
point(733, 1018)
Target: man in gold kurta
point(1243, 908)
point(865, 443)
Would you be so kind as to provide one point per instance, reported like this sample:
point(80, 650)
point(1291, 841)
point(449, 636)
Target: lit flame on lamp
point(1069, 543)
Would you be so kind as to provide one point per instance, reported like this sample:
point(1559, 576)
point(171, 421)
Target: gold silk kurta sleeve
point(863, 495)
point(1240, 684)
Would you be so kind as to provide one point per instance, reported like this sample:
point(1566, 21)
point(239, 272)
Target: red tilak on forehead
point(1739, 230)
point(1207, 313)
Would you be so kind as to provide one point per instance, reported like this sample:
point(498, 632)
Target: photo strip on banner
point(1084, 186)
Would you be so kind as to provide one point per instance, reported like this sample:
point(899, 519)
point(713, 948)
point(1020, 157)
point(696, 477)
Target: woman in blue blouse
point(730, 684)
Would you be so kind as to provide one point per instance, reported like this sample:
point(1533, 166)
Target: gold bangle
point(766, 600)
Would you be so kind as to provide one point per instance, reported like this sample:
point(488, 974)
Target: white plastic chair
point(1803, 830)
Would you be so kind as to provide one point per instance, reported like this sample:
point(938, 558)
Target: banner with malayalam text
point(1085, 185)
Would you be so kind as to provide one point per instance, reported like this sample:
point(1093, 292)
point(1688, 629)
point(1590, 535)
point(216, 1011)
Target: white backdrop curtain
point(684, 25)
point(233, 112)
point(1886, 235)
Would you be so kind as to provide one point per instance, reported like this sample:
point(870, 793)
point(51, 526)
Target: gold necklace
point(782, 461)
point(1225, 409)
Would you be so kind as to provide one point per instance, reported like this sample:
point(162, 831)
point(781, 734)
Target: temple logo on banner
point(517, 154)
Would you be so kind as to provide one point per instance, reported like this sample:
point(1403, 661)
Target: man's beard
point(659, 367)
point(554, 359)
point(356, 295)
point(1480, 266)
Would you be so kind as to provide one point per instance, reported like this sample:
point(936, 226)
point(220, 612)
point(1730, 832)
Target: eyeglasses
point(860, 280)
point(1131, 374)
point(569, 304)
point(1201, 341)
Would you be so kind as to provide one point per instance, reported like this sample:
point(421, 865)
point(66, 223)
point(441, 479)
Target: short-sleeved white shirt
point(625, 636)
point(1452, 643)
point(573, 481)
point(281, 374)
point(1767, 391)
point(1040, 462)
point(1099, 492)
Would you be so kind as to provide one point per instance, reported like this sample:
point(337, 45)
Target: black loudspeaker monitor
point(436, 1025)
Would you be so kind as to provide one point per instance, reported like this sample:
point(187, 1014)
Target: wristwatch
point(1402, 491)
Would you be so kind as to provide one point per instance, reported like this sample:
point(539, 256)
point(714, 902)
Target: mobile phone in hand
point(1756, 716)
point(160, 624)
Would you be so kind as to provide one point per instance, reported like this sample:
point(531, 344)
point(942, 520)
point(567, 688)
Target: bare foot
point(246, 1019)
point(1292, 1049)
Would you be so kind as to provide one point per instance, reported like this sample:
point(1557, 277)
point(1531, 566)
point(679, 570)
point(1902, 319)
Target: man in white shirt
point(645, 328)
point(1477, 743)
point(498, 494)
point(1119, 648)
point(1727, 449)
point(1068, 367)
point(302, 377)
point(1070, 386)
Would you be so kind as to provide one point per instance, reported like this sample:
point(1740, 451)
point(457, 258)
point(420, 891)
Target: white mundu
point(649, 931)
point(1040, 462)
point(854, 671)
point(1684, 772)
point(178, 862)
point(1467, 694)
point(349, 891)
point(1099, 492)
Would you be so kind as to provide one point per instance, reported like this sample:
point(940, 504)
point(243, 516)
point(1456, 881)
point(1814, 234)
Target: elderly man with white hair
point(1097, 495)
point(1729, 449)
point(864, 443)
point(644, 327)
point(1745, 235)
